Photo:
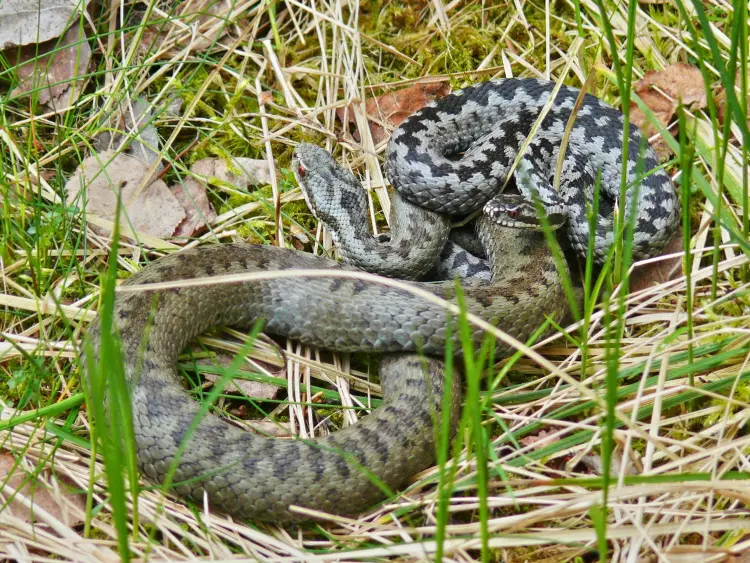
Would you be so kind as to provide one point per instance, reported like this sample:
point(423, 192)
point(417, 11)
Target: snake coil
point(260, 478)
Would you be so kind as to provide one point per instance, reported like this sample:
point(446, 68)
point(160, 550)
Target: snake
point(205, 458)
point(489, 124)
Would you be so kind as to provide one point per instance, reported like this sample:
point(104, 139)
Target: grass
point(621, 437)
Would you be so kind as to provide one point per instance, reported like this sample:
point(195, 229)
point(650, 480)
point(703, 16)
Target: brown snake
point(344, 473)
point(257, 477)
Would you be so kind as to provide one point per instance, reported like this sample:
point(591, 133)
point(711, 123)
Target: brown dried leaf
point(265, 97)
point(255, 389)
point(298, 233)
point(198, 210)
point(661, 91)
point(269, 428)
point(23, 22)
point(661, 271)
point(129, 126)
point(155, 211)
point(595, 463)
point(242, 173)
point(194, 24)
point(213, 19)
point(390, 110)
point(52, 69)
point(57, 502)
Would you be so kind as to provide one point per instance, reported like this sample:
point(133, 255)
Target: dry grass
point(676, 417)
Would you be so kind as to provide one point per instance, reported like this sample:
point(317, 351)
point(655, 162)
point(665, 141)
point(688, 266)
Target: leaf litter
point(53, 71)
point(25, 22)
point(662, 91)
point(390, 110)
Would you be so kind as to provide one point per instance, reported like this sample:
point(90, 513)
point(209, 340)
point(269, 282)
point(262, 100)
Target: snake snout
point(514, 210)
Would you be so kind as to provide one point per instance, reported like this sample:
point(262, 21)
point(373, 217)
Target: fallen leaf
point(265, 97)
point(174, 108)
point(53, 70)
point(255, 389)
point(390, 110)
point(211, 20)
point(194, 25)
point(129, 126)
point(155, 211)
point(661, 271)
point(242, 172)
point(661, 91)
point(58, 501)
point(198, 210)
point(250, 388)
point(269, 428)
point(595, 463)
point(299, 233)
point(23, 22)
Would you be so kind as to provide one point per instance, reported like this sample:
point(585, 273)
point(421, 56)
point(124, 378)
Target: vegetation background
point(621, 438)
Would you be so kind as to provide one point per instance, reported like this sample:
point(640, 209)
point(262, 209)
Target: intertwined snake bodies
point(260, 478)
point(491, 121)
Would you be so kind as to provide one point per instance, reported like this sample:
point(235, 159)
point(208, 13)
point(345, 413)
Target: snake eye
point(513, 213)
point(301, 171)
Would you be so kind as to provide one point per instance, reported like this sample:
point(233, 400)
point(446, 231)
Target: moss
point(26, 384)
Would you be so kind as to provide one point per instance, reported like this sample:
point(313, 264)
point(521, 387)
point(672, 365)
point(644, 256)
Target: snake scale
point(260, 478)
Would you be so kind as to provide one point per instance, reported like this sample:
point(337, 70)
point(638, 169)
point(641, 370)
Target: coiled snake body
point(492, 120)
point(257, 477)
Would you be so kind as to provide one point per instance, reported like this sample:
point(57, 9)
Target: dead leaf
point(266, 428)
point(174, 108)
point(129, 126)
point(210, 20)
point(661, 91)
point(242, 172)
point(298, 233)
point(661, 271)
point(52, 70)
point(198, 210)
point(255, 389)
point(390, 110)
point(265, 97)
point(269, 428)
point(23, 22)
point(155, 211)
point(194, 25)
point(59, 502)
point(595, 463)
point(250, 388)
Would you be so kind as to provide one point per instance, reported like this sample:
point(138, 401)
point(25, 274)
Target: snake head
point(514, 210)
point(332, 193)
